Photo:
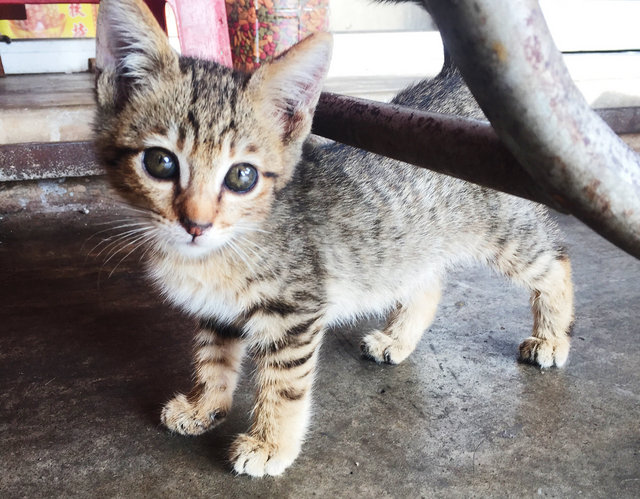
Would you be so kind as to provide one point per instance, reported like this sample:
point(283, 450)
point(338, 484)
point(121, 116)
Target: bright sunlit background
point(380, 47)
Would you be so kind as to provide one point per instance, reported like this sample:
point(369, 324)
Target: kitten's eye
point(241, 177)
point(160, 163)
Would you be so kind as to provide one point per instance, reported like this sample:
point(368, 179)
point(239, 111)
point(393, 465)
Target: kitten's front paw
point(545, 352)
point(255, 457)
point(382, 348)
point(183, 417)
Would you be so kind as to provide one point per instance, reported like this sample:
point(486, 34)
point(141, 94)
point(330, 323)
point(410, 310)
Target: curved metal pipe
point(508, 58)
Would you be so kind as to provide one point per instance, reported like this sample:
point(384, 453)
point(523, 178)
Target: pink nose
point(193, 228)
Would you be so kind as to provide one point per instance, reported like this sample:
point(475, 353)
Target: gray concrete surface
point(86, 361)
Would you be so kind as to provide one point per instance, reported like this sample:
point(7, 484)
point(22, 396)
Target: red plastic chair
point(202, 25)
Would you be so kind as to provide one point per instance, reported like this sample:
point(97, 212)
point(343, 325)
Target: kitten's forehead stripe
point(194, 123)
point(182, 135)
point(213, 93)
point(195, 86)
point(229, 129)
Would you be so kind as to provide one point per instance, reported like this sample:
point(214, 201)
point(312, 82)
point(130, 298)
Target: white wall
point(366, 15)
point(376, 39)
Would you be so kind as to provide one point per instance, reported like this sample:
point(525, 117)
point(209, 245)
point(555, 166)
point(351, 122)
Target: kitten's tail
point(445, 93)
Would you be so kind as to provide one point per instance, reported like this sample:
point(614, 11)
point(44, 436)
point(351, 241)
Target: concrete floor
point(86, 361)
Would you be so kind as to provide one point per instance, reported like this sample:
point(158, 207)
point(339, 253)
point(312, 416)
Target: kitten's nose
point(194, 228)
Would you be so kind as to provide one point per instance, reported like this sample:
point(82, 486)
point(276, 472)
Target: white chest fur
point(198, 288)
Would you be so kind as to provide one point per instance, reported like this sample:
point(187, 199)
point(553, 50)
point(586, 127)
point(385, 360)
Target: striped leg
point(546, 273)
point(219, 352)
point(282, 409)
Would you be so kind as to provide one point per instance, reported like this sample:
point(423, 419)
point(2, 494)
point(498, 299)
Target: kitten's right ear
point(288, 88)
point(130, 46)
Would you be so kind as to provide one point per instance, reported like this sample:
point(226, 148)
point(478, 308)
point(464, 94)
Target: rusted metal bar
point(39, 160)
point(460, 147)
point(463, 148)
point(507, 57)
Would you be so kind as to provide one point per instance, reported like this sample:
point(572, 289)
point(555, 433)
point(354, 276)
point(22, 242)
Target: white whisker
point(121, 220)
point(257, 250)
point(243, 256)
point(110, 229)
point(116, 238)
point(123, 248)
point(249, 228)
point(150, 247)
point(252, 250)
point(134, 229)
point(123, 226)
point(128, 207)
point(142, 241)
point(109, 243)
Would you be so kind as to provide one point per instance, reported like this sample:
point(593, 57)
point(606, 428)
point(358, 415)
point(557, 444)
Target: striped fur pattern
point(326, 235)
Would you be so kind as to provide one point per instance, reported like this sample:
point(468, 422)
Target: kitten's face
point(200, 149)
point(197, 158)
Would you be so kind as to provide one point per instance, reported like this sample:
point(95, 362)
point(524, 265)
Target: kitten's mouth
point(192, 249)
point(196, 246)
point(196, 242)
point(193, 246)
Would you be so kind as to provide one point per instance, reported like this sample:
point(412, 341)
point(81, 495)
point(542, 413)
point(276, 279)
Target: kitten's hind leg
point(404, 328)
point(219, 353)
point(552, 307)
point(548, 275)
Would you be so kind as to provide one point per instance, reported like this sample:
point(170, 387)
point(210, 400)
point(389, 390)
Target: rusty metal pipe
point(463, 148)
point(507, 57)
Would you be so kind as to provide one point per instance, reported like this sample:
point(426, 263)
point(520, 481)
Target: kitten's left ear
point(288, 87)
point(130, 44)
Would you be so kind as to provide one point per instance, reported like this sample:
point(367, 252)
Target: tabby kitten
point(269, 240)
